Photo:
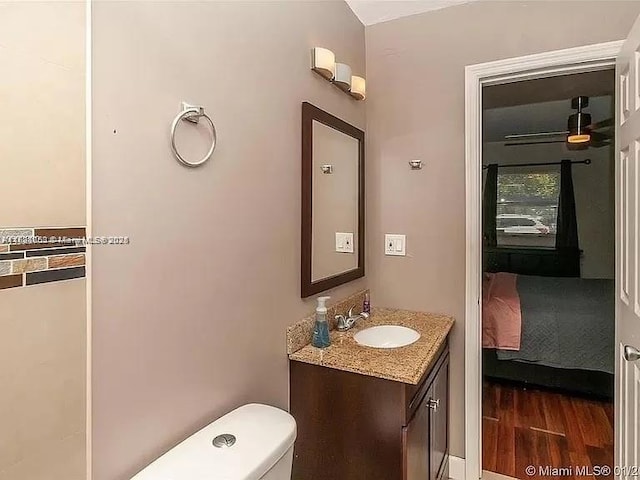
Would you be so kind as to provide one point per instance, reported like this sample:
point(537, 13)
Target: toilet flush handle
point(225, 440)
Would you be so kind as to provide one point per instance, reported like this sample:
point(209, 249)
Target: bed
point(555, 332)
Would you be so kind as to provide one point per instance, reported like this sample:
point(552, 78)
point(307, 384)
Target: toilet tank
point(252, 441)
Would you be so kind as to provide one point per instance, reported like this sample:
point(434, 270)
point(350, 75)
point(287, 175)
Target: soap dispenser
point(321, 337)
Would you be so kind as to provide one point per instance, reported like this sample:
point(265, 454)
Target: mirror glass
point(332, 201)
point(335, 202)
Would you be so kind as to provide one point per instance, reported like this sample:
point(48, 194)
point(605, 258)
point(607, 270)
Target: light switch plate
point(344, 242)
point(395, 244)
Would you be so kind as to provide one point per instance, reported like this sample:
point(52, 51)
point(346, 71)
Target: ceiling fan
point(581, 132)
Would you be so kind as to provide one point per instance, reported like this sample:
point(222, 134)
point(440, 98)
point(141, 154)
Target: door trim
point(559, 62)
point(88, 96)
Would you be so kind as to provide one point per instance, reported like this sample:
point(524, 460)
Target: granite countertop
point(404, 364)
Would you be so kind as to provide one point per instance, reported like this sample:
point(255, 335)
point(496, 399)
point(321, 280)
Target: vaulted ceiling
point(375, 11)
point(541, 105)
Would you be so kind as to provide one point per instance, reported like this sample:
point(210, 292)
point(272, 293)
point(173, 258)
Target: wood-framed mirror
point(332, 201)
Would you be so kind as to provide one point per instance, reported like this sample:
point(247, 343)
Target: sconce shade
point(323, 62)
point(358, 88)
point(342, 77)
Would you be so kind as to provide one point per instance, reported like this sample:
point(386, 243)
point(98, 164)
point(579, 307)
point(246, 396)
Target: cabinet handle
point(433, 404)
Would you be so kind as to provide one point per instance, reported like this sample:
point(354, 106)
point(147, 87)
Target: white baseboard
point(457, 471)
point(456, 468)
point(486, 475)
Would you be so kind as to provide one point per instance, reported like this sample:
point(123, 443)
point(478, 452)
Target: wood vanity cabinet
point(358, 427)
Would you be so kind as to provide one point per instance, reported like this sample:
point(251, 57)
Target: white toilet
point(253, 442)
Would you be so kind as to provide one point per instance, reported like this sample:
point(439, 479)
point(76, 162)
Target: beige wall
point(335, 200)
point(42, 327)
point(415, 109)
point(189, 319)
point(594, 193)
point(42, 377)
point(42, 100)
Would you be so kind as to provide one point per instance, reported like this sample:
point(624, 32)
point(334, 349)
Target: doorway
point(548, 298)
point(570, 61)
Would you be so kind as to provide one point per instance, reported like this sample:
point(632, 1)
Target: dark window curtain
point(567, 231)
point(490, 206)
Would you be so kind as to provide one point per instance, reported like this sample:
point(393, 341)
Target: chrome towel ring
point(193, 114)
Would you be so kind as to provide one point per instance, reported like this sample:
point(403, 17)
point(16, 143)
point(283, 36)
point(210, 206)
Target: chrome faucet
point(348, 321)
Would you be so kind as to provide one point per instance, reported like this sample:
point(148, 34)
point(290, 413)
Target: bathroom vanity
point(373, 413)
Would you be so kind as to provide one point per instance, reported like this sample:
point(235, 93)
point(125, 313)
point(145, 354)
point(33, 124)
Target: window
point(527, 209)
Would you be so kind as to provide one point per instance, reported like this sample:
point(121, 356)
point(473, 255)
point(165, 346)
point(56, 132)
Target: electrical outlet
point(395, 244)
point(344, 242)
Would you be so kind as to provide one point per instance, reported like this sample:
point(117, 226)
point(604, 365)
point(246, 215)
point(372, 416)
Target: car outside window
point(527, 208)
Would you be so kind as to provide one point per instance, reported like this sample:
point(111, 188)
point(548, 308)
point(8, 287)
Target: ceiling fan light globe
point(579, 138)
point(578, 126)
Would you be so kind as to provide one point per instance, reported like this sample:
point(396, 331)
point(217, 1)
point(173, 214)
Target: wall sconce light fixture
point(342, 78)
point(415, 164)
point(358, 88)
point(323, 62)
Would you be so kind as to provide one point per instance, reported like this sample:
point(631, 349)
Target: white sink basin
point(386, 336)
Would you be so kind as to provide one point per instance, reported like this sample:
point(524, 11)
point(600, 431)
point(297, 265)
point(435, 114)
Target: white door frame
point(547, 64)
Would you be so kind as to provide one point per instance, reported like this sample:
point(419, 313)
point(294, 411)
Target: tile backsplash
point(29, 256)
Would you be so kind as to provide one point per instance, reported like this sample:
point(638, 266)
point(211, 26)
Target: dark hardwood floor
point(523, 427)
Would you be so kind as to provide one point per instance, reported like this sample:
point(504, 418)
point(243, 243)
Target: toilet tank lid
point(263, 434)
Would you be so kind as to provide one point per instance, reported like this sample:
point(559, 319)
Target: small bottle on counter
point(321, 338)
point(366, 307)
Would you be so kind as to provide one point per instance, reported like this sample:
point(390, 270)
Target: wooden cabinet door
point(415, 438)
point(438, 406)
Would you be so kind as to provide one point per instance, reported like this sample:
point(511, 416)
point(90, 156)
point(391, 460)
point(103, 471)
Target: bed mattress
point(566, 323)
